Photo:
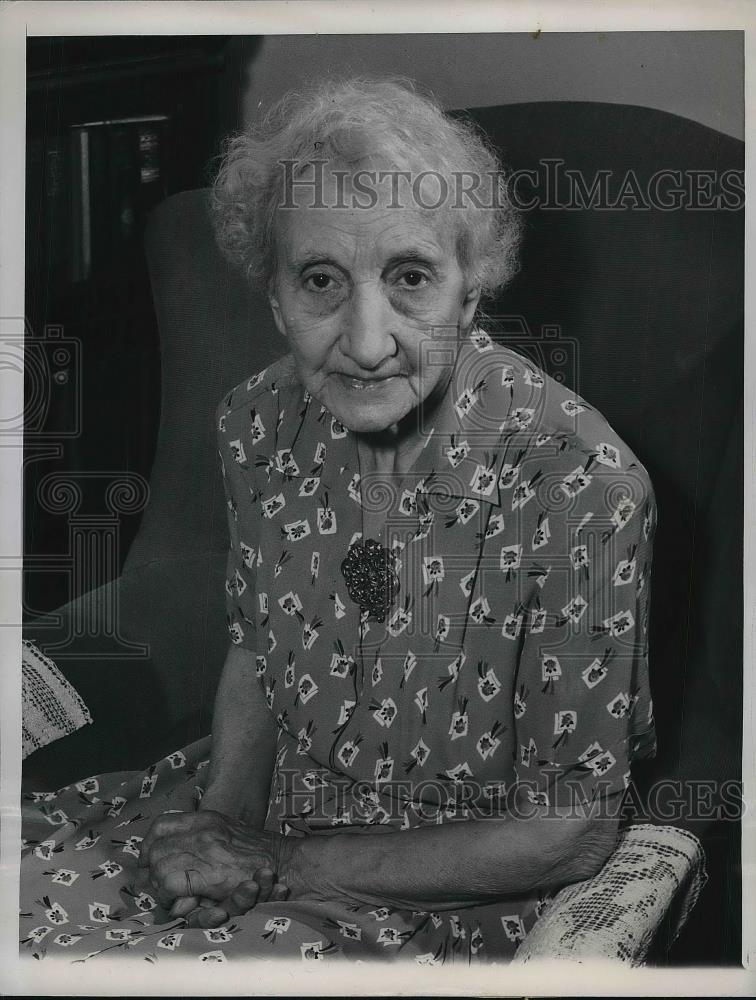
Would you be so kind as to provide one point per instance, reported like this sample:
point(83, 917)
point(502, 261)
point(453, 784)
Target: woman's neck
point(388, 452)
point(394, 449)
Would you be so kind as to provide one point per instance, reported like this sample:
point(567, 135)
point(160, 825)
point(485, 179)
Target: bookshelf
point(114, 126)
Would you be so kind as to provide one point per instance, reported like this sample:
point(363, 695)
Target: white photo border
point(160, 17)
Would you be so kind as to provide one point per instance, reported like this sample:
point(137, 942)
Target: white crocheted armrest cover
point(616, 914)
point(52, 707)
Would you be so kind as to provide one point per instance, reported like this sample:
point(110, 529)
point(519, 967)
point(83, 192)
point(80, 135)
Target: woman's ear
point(277, 314)
point(469, 305)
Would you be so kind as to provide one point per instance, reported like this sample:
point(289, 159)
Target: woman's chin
point(369, 419)
point(366, 414)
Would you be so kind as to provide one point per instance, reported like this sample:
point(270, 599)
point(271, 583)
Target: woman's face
point(363, 297)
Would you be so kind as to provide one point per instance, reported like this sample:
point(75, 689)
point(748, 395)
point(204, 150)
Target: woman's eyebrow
point(308, 259)
point(414, 255)
point(406, 255)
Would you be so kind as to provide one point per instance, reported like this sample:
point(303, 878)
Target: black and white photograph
point(380, 549)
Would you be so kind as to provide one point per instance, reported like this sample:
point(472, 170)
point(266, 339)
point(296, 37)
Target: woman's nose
point(367, 337)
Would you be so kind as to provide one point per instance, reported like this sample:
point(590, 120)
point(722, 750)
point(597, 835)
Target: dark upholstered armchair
point(639, 308)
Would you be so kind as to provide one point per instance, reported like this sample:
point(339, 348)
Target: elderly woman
point(438, 576)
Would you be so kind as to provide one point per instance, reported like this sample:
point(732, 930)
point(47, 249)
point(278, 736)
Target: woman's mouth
point(366, 384)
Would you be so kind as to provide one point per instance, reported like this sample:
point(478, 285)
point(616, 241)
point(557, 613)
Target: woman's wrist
point(228, 801)
point(325, 867)
point(289, 865)
point(220, 800)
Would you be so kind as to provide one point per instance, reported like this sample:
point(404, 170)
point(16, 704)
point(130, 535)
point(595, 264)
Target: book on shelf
point(117, 173)
point(47, 210)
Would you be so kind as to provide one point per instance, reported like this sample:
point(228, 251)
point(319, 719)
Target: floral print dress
point(514, 655)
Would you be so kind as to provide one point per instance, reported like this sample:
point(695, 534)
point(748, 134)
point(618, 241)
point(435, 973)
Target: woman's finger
point(207, 917)
point(174, 824)
point(244, 897)
point(201, 842)
point(201, 903)
point(183, 906)
point(264, 878)
point(279, 891)
point(207, 913)
point(163, 826)
point(170, 879)
point(248, 894)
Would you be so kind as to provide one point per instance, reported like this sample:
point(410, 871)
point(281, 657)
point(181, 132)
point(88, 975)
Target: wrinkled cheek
point(314, 351)
point(437, 354)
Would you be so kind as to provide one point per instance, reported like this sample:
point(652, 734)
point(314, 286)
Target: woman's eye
point(320, 281)
point(414, 279)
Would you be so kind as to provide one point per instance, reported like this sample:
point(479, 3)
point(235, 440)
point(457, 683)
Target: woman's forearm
point(243, 746)
point(455, 864)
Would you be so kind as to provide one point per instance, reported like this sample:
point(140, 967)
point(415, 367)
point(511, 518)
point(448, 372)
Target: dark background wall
point(696, 74)
point(106, 381)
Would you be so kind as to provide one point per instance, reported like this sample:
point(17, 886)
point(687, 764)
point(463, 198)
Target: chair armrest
point(144, 652)
point(52, 707)
point(616, 914)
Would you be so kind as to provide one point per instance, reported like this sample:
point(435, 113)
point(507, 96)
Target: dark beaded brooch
point(370, 575)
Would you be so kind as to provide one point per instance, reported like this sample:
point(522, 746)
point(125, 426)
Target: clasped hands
point(205, 867)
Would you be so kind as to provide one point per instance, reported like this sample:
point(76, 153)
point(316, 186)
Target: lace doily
point(52, 707)
point(616, 914)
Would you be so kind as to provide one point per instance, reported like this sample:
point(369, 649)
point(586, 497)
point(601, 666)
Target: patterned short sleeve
point(582, 705)
point(243, 526)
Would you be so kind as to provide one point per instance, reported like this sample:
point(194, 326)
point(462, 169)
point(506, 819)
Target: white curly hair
point(348, 121)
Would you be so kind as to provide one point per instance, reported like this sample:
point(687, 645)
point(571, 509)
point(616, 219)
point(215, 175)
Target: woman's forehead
point(369, 181)
point(370, 233)
point(360, 207)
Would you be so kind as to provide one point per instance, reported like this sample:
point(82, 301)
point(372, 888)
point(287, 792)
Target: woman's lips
point(354, 384)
